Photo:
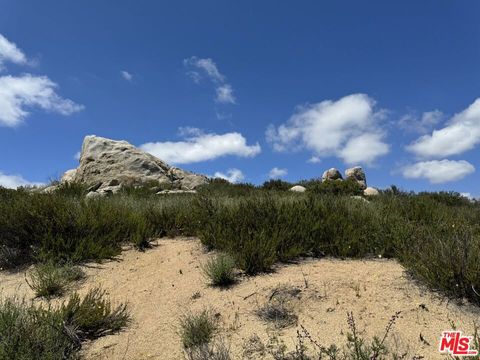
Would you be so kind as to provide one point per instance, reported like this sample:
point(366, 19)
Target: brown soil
point(160, 284)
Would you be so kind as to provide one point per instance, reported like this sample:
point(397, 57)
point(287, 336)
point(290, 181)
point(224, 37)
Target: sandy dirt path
point(166, 282)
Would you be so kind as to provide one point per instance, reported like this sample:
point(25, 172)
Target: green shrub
point(27, 332)
point(11, 257)
point(197, 329)
point(450, 198)
point(262, 230)
point(258, 228)
point(72, 189)
point(335, 187)
point(52, 280)
point(36, 333)
point(276, 184)
point(64, 228)
point(217, 186)
point(220, 270)
point(446, 258)
point(93, 316)
point(245, 233)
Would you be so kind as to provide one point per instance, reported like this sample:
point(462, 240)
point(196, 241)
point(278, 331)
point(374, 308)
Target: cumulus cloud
point(9, 52)
point(364, 148)
point(348, 128)
point(126, 75)
point(14, 181)
point(438, 171)
point(17, 94)
point(198, 146)
point(276, 173)
point(461, 133)
point(199, 68)
point(233, 175)
point(421, 125)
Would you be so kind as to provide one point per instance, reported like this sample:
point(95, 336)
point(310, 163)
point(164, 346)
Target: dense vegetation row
point(435, 235)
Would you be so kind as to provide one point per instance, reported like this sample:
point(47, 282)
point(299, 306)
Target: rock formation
point(356, 173)
point(298, 188)
point(106, 165)
point(68, 176)
point(370, 191)
point(332, 174)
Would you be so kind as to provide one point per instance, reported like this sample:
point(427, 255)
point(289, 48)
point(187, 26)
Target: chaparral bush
point(435, 235)
point(33, 332)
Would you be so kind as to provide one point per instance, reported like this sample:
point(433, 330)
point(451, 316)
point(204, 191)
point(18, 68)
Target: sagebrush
point(435, 235)
point(33, 332)
point(220, 270)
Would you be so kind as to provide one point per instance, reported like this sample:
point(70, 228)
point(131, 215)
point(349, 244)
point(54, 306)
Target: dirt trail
point(159, 285)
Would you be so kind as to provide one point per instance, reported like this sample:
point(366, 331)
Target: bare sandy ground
point(166, 282)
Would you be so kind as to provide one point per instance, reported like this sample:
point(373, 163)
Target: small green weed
point(197, 329)
point(49, 280)
point(220, 270)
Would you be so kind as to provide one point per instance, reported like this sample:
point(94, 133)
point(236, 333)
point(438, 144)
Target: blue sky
point(247, 89)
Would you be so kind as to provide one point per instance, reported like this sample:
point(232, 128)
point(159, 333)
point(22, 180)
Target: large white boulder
point(331, 174)
point(356, 173)
point(298, 188)
point(370, 191)
point(105, 163)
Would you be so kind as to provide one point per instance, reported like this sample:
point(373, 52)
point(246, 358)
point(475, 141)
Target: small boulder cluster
point(355, 173)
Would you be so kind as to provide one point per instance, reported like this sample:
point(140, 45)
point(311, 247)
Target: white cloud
point(411, 122)
point(77, 155)
point(314, 160)
point(233, 175)
point(364, 148)
point(14, 181)
point(19, 93)
point(225, 94)
point(199, 146)
point(9, 52)
point(190, 131)
point(126, 75)
point(438, 171)
point(276, 173)
point(461, 133)
point(199, 68)
point(348, 128)
point(207, 66)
